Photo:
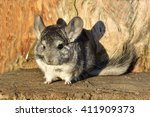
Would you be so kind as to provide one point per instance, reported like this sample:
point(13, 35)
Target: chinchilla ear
point(38, 26)
point(61, 22)
point(74, 28)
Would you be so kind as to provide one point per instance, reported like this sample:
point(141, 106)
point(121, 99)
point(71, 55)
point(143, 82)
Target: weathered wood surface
point(28, 84)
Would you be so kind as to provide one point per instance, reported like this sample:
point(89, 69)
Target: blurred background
point(123, 19)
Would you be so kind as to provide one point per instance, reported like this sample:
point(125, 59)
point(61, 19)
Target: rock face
point(123, 19)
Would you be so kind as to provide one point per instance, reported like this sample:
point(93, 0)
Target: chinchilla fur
point(70, 52)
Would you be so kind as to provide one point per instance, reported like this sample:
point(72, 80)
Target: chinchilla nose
point(49, 61)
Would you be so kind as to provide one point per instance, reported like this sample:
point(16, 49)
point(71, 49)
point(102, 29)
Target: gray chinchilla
point(68, 51)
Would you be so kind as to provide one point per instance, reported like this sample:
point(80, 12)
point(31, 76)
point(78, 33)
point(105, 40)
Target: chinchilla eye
point(43, 47)
point(60, 46)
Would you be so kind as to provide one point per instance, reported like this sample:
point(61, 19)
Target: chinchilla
point(68, 52)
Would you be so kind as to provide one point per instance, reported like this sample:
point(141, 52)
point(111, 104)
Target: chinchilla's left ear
point(38, 26)
point(74, 28)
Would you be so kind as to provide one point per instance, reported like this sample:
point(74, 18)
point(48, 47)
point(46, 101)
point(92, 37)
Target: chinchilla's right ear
point(38, 26)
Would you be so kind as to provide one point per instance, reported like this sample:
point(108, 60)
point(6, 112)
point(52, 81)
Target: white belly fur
point(51, 72)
